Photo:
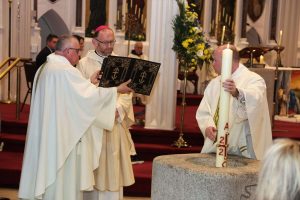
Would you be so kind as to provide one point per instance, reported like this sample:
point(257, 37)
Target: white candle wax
point(223, 34)
point(223, 106)
point(280, 38)
point(261, 59)
point(135, 10)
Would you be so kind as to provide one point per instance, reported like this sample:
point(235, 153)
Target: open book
point(117, 69)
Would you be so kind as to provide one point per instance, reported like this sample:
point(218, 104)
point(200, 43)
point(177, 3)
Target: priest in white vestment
point(249, 121)
point(115, 169)
point(64, 136)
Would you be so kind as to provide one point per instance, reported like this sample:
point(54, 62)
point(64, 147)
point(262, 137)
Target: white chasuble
point(115, 168)
point(249, 121)
point(64, 137)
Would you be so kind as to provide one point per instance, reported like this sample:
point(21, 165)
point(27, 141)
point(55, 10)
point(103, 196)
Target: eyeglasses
point(106, 42)
point(77, 50)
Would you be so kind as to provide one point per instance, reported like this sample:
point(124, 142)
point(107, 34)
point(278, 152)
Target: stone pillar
point(207, 18)
point(1, 31)
point(112, 14)
point(20, 47)
point(35, 40)
point(161, 109)
point(79, 26)
point(239, 42)
point(3, 40)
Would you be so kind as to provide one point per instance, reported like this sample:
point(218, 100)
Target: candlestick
point(221, 155)
point(135, 9)
point(280, 38)
point(223, 34)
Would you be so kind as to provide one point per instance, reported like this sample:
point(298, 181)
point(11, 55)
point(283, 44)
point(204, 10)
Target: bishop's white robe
point(64, 135)
point(249, 121)
point(115, 170)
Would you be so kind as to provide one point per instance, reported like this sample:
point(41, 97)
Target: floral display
point(190, 43)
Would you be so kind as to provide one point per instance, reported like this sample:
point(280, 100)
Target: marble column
point(207, 18)
point(79, 26)
point(3, 32)
point(3, 47)
point(20, 41)
point(239, 41)
point(161, 109)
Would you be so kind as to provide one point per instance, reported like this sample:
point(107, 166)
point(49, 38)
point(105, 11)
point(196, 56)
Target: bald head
point(138, 48)
point(217, 56)
point(65, 42)
point(68, 46)
point(104, 41)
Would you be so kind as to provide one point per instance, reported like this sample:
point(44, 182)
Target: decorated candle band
point(222, 148)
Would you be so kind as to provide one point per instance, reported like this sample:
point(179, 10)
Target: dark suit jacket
point(42, 56)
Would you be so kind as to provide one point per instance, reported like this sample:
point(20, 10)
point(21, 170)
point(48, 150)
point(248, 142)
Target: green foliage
point(190, 43)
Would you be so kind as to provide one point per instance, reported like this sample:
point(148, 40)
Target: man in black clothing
point(50, 47)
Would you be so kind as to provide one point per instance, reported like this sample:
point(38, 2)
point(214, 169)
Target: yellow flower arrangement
point(190, 43)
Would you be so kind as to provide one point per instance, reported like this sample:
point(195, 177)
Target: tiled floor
point(12, 194)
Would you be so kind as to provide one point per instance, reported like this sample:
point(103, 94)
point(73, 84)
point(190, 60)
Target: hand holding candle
point(221, 154)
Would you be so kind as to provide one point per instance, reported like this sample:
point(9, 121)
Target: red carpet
point(148, 143)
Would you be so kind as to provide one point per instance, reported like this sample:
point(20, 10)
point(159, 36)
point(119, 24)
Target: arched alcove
point(51, 22)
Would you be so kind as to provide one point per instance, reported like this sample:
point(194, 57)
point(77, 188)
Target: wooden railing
point(7, 72)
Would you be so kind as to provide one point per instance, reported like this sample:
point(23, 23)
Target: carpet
point(149, 143)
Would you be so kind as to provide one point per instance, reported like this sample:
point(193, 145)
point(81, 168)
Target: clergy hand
point(123, 88)
point(116, 115)
point(211, 133)
point(95, 77)
point(229, 86)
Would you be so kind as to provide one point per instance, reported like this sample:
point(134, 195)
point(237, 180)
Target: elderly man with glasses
point(67, 115)
point(115, 170)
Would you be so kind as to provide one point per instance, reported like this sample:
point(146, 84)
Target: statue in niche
point(255, 9)
point(97, 16)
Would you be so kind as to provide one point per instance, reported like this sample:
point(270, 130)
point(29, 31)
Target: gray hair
point(279, 177)
point(64, 42)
